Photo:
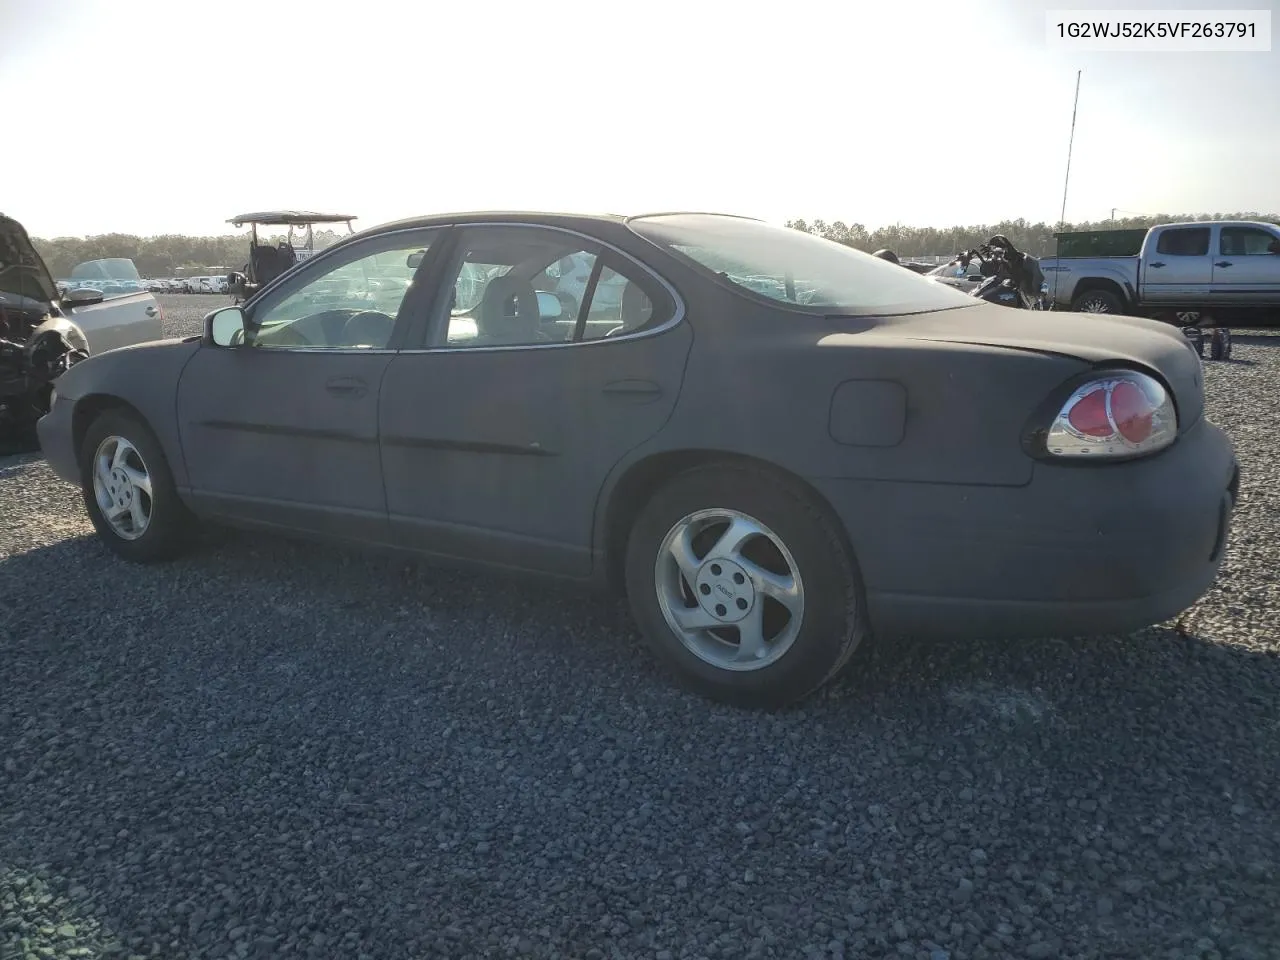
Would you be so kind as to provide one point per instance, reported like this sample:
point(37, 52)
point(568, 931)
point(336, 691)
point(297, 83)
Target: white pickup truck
point(1223, 268)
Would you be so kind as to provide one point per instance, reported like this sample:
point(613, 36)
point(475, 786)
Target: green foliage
point(1034, 238)
point(174, 255)
point(169, 255)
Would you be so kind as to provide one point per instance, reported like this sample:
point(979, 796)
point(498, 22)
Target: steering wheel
point(370, 320)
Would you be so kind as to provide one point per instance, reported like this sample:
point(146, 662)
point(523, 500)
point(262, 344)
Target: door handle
point(1223, 263)
point(1157, 265)
point(152, 311)
point(633, 389)
point(347, 387)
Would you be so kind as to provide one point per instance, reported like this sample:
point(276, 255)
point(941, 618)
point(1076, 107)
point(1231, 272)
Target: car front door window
point(1245, 242)
point(350, 304)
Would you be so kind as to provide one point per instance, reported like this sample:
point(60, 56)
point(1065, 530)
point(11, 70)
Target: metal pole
point(1062, 218)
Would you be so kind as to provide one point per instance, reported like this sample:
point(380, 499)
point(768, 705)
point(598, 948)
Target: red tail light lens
point(1119, 414)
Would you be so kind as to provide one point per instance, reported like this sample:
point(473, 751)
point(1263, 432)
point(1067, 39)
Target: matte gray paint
point(510, 456)
point(145, 377)
point(869, 413)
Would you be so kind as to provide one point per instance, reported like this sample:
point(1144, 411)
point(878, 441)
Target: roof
point(561, 218)
point(290, 218)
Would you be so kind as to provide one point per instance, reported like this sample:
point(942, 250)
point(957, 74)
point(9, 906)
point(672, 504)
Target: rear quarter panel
point(863, 404)
point(1068, 276)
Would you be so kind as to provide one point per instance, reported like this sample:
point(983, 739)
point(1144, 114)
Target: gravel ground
point(276, 750)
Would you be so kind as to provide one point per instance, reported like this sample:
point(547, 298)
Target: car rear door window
point(518, 285)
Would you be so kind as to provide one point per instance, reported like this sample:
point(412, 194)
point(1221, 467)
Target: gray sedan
point(774, 444)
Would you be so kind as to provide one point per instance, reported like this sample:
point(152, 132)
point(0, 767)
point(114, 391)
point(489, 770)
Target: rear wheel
point(129, 492)
point(741, 588)
point(1097, 301)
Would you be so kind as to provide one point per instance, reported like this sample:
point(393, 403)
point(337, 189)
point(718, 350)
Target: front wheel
point(741, 588)
point(129, 491)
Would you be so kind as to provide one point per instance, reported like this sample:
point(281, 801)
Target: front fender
point(144, 377)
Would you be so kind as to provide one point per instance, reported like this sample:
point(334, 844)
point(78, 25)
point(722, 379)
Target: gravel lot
point(278, 750)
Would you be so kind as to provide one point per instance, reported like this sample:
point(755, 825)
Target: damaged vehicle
point(46, 328)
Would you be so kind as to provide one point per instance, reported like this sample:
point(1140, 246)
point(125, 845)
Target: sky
point(158, 116)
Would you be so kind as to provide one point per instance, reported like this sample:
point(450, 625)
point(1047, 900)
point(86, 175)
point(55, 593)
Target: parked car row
point(188, 284)
point(111, 287)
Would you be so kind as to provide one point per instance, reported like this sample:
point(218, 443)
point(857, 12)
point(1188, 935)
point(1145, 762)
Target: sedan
point(773, 444)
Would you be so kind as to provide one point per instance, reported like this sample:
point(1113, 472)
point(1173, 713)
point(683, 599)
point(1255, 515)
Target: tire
point(1220, 344)
point(1196, 337)
point(170, 525)
point(803, 652)
point(1097, 301)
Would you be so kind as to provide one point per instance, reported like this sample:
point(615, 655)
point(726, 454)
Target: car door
point(498, 432)
point(283, 430)
point(1181, 267)
point(1246, 269)
point(120, 319)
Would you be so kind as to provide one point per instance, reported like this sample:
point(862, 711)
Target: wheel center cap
point(724, 590)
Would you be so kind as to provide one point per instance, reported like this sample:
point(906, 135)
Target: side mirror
point(414, 260)
point(549, 306)
point(1275, 246)
point(224, 327)
point(82, 296)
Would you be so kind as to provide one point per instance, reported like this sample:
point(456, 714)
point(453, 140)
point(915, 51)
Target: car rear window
point(795, 268)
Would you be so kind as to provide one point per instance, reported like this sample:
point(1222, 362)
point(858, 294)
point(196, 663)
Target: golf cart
point(268, 260)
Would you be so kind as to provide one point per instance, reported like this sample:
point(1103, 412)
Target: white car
point(46, 326)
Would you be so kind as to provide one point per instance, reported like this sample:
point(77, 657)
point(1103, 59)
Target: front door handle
point(1157, 265)
point(1223, 263)
point(347, 387)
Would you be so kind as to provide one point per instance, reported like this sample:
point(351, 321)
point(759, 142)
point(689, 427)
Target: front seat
point(508, 313)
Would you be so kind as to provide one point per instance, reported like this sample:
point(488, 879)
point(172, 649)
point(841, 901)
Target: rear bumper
point(1081, 549)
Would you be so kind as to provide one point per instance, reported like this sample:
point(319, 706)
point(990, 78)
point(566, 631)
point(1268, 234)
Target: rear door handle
point(347, 387)
point(152, 311)
point(1223, 263)
point(640, 391)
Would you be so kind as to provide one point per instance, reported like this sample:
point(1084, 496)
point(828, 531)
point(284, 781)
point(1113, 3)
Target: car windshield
point(114, 268)
point(797, 268)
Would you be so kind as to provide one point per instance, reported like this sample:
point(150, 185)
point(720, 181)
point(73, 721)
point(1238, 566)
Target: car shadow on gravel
point(277, 748)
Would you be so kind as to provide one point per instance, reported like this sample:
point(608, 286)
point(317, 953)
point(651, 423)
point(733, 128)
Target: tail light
point(1119, 414)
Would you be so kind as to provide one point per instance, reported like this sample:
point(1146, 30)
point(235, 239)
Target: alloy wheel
point(729, 589)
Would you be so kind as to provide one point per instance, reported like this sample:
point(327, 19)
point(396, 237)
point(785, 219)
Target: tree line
point(1036, 239)
point(172, 255)
point(168, 255)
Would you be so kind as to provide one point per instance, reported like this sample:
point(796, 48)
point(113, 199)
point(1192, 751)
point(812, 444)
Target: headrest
point(508, 311)
point(636, 307)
